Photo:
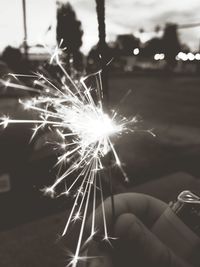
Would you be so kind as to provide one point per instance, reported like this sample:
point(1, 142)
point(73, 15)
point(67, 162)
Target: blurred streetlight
point(136, 51)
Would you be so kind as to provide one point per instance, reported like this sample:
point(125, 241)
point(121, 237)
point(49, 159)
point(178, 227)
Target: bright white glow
point(197, 56)
point(190, 56)
point(185, 57)
point(136, 51)
point(162, 56)
point(157, 56)
point(182, 56)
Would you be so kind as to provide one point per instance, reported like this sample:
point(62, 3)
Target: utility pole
point(25, 45)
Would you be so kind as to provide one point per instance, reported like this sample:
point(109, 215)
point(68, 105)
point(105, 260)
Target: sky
point(122, 16)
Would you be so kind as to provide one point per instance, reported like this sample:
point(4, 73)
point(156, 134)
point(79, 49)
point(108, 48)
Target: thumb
point(139, 246)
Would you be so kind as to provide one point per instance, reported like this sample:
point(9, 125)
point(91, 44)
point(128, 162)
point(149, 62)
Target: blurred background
point(153, 50)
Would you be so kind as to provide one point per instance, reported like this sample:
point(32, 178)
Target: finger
point(141, 246)
point(146, 208)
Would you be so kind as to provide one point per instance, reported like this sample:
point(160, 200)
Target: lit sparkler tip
point(4, 121)
point(118, 162)
point(151, 132)
point(57, 53)
point(6, 83)
point(65, 193)
point(134, 119)
point(63, 145)
point(109, 239)
point(77, 217)
point(26, 104)
point(49, 191)
point(13, 75)
point(76, 259)
point(40, 76)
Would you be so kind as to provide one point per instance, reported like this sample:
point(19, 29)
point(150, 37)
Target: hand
point(135, 245)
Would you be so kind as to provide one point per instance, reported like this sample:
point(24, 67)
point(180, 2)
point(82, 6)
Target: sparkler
point(75, 113)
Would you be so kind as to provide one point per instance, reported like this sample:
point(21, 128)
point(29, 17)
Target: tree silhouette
point(171, 44)
point(100, 6)
point(13, 58)
point(69, 30)
point(127, 43)
point(152, 47)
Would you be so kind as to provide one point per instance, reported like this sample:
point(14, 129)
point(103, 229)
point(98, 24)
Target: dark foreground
point(171, 107)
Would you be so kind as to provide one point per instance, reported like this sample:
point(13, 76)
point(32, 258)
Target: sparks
point(74, 112)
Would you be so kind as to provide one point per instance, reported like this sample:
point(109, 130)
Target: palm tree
point(69, 30)
point(100, 7)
